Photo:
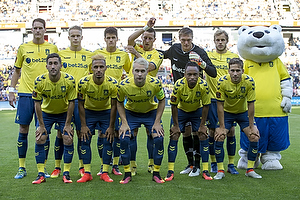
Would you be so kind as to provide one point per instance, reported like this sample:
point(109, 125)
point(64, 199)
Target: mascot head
point(260, 44)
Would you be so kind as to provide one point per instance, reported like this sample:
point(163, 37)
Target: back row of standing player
point(76, 60)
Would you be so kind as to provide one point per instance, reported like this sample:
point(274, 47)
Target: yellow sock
point(41, 167)
point(67, 167)
point(105, 168)
point(150, 162)
point(80, 164)
point(57, 163)
point(127, 168)
point(250, 164)
point(133, 163)
point(101, 159)
point(116, 161)
point(87, 168)
point(156, 168)
point(171, 166)
point(230, 159)
point(22, 162)
point(213, 158)
point(220, 166)
point(205, 166)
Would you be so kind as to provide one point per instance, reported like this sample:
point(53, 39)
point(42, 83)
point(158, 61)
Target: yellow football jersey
point(115, 62)
point(268, 90)
point(220, 61)
point(140, 99)
point(76, 63)
point(97, 97)
point(236, 96)
point(31, 58)
point(155, 57)
point(55, 96)
point(189, 99)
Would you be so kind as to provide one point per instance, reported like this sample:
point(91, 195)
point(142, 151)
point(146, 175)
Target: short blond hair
point(98, 57)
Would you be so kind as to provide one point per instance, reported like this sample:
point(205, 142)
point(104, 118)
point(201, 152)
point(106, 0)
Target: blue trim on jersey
point(286, 79)
point(274, 134)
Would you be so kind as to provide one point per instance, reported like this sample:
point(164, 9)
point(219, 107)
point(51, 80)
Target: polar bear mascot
point(261, 47)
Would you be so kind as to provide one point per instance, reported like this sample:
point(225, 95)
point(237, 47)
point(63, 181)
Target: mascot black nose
point(258, 34)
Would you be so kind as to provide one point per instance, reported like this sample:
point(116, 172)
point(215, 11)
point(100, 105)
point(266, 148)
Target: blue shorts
point(117, 123)
point(75, 118)
point(25, 110)
point(212, 117)
point(97, 120)
point(274, 134)
point(188, 119)
point(50, 119)
point(241, 118)
point(135, 120)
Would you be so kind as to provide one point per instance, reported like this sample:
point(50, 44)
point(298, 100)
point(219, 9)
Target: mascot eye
point(250, 32)
point(266, 31)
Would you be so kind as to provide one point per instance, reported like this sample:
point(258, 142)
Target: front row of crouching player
point(100, 97)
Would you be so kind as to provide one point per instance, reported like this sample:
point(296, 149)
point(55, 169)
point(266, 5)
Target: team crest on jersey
point(47, 51)
point(198, 94)
point(34, 94)
point(228, 59)
point(173, 99)
point(28, 60)
point(149, 56)
point(218, 95)
point(149, 93)
point(105, 92)
point(243, 89)
point(63, 88)
point(83, 58)
point(80, 95)
point(118, 59)
point(271, 64)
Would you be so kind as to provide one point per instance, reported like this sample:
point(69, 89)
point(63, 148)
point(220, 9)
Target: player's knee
point(67, 140)
point(253, 138)
point(220, 138)
point(203, 136)
point(42, 139)
point(231, 132)
point(175, 136)
point(24, 128)
point(58, 134)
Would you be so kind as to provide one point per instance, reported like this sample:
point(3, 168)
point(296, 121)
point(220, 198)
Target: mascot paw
point(272, 165)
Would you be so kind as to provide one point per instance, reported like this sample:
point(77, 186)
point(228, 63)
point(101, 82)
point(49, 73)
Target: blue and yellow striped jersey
point(76, 63)
point(155, 57)
point(220, 61)
point(140, 99)
point(115, 62)
point(236, 96)
point(188, 99)
point(31, 58)
point(268, 90)
point(97, 97)
point(55, 96)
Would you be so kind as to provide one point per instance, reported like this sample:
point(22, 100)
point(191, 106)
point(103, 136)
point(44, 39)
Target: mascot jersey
point(265, 88)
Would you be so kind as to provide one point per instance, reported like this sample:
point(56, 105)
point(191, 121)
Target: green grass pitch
point(283, 184)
